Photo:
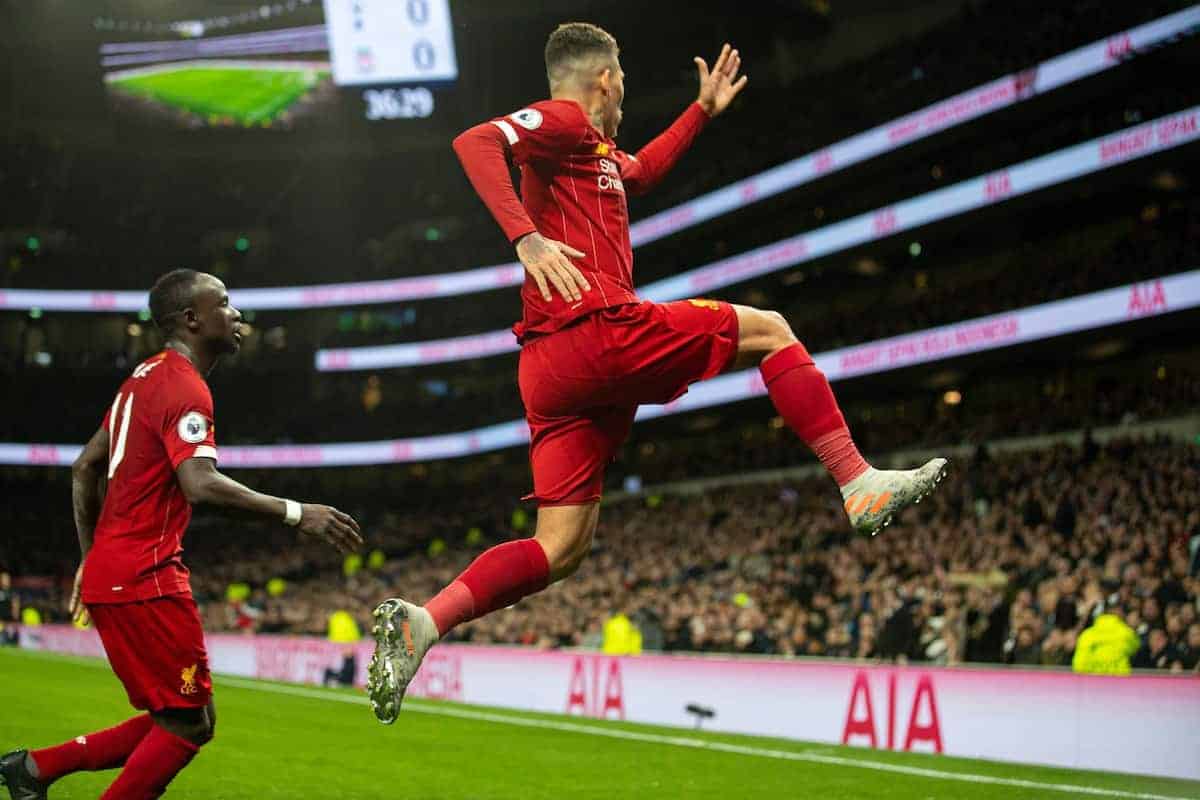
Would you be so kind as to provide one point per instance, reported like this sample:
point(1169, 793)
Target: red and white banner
point(943, 115)
point(1142, 724)
point(1099, 309)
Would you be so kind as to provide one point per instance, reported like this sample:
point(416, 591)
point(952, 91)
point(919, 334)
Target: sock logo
point(188, 676)
point(81, 740)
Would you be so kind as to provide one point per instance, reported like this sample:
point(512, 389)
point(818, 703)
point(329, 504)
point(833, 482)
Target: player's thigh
point(561, 374)
point(658, 349)
point(568, 455)
point(156, 648)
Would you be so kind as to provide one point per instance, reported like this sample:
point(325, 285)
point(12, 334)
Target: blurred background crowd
point(1021, 552)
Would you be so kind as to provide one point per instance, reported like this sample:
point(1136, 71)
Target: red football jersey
point(573, 185)
point(162, 416)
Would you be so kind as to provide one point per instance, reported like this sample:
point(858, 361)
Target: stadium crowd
point(1009, 564)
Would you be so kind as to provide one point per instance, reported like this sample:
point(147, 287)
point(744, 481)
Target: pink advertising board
point(1146, 724)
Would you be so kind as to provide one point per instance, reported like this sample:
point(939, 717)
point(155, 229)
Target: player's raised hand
point(547, 263)
point(78, 611)
point(330, 525)
point(719, 87)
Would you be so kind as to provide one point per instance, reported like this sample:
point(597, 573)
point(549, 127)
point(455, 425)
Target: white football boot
point(874, 498)
point(404, 632)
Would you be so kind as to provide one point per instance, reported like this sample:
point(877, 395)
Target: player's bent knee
point(570, 564)
point(209, 728)
point(781, 330)
point(762, 333)
point(565, 534)
point(201, 734)
point(565, 557)
point(193, 724)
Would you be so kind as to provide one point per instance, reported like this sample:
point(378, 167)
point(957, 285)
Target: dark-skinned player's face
point(219, 323)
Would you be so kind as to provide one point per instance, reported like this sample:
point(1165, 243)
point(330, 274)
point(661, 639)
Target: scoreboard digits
point(390, 41)
point(401, 103)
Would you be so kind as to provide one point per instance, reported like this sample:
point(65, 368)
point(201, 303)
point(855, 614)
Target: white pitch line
point(702, 744)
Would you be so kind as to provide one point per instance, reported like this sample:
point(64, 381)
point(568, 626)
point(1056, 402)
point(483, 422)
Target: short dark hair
point(573, 41)
point(170, 296)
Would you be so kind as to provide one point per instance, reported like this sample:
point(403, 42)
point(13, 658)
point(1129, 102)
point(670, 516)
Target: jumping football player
point(133, 489)
point(592, 351)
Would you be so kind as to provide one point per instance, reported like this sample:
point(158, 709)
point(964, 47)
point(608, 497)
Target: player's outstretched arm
point(202, 484)
point(718, 88)
point(88, 476)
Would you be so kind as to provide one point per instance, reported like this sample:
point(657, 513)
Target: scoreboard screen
point(303, 64)
point(390, 41)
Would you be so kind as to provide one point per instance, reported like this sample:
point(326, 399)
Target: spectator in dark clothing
point(649, 623)
point(1064, 516)
point(1156, 653)
point(1066, 613)
point(898, 633)
point(1152, 612)
point(1189, 651)
point(9, 611)
point(1026, 648)
point(1088, 449)
point(986, 627)
point(1034, 514)
point(1171, 591)
point(343, 676)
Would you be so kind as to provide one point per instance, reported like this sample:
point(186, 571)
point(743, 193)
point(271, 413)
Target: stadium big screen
point(281, 65)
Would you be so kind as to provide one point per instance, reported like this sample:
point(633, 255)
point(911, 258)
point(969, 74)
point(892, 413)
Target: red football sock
point(499, 577)
point(150, 767)
point(104, 749)
point(802, 396)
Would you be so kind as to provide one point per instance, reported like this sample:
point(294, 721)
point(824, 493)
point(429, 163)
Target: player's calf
point(155, 762)
point(404, 632)
point(803, 397)
point(29, 777)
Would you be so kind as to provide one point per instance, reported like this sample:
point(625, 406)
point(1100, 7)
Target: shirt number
point(117, 434)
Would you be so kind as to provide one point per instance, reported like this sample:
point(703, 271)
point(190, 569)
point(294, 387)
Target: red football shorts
point(156, 648)
point(581, 385)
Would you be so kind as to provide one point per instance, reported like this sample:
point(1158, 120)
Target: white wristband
point(291, 513)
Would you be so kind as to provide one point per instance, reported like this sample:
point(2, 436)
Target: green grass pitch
point(278, 741)
point(248, 96)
